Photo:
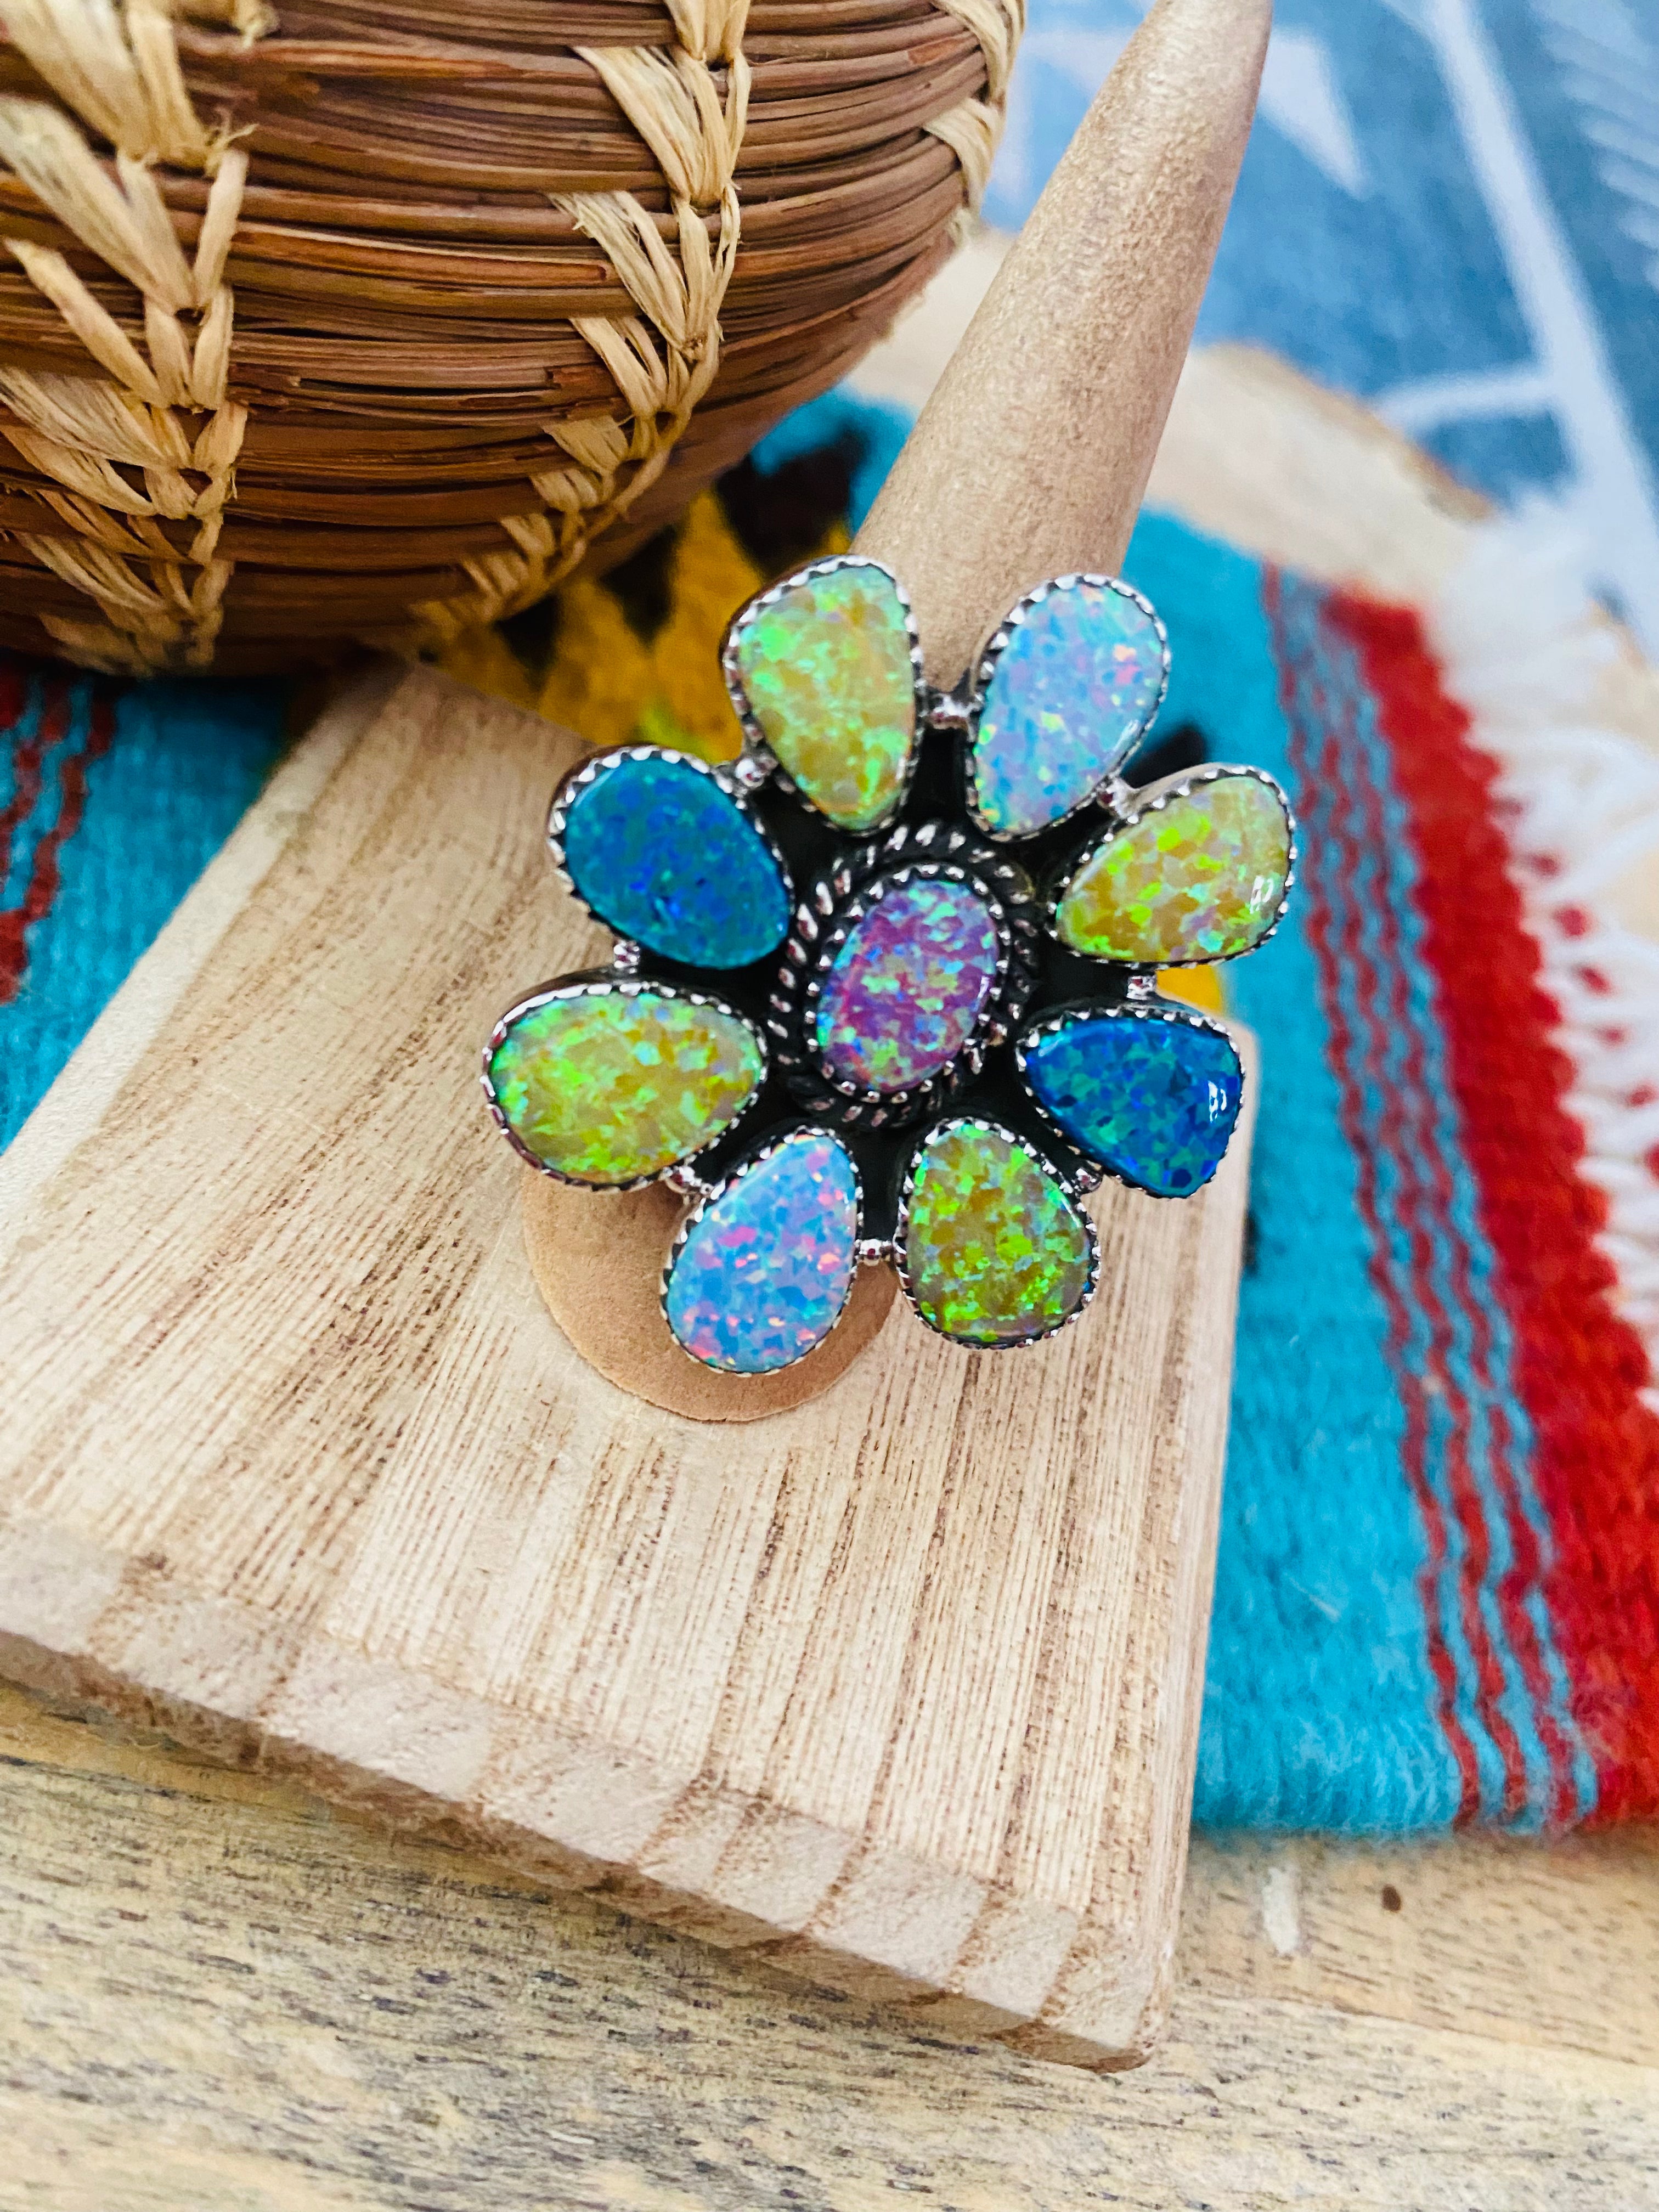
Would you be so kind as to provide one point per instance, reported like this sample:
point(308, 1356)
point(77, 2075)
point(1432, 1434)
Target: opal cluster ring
point(883, 988)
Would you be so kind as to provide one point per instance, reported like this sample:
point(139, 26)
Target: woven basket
point(361, 320)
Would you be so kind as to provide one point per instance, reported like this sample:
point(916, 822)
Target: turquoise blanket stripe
point(1319, 1701)
point(180, 766)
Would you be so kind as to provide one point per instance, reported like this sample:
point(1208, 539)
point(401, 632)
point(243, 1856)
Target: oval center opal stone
point(995, 1251)
point(1071, 695)
point(906, 991)
point(1155, 1102)
point(827, 672)
point(1201, 878)
point(665, 856)
point(607, 1087)
point(765, 1268)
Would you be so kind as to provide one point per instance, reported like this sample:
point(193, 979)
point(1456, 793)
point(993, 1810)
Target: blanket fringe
point(1583, 802)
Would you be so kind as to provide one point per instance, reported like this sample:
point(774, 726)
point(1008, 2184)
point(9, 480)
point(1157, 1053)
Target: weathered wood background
point(220, 1994)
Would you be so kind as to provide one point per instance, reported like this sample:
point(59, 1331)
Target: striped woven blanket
point(1438, 1594)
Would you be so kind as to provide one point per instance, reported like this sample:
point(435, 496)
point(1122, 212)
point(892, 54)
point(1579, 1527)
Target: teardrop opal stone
point(665, 856)
point(609, 1086)
point(905, 990)
point(1155, 1102)
point(996, 1252)
point(1200, 879)
point(1071, 693)
point(828, 675)
point(765, 1269)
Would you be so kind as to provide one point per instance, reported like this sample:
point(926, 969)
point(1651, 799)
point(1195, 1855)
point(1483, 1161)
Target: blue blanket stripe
point(1385, 882)
point(1438, 1355)
point(1320, 1702)
point(1355, 883)
point(186, 761)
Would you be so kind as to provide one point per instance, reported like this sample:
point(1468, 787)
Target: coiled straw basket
point(361, 320)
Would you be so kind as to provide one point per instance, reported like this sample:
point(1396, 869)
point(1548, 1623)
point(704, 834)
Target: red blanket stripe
point(1425, 1203)
point(56, 726)
point(1579, 1366)
point(1424, 1171)
point(1362, 993)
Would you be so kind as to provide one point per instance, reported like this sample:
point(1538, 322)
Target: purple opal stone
point(766, 1267)
point(907, 989)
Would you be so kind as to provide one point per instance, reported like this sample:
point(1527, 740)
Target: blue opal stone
point(1154, 1102)
point(1071, 696)
point(665, 855)
point(765, 1269)
point(905, 992)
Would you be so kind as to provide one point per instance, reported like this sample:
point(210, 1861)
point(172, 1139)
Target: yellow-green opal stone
point(996, 1252)
point(1201, 878)
point(827, 672)
point(607, 1087)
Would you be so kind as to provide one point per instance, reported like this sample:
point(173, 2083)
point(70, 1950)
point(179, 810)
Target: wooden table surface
point(220, 1994)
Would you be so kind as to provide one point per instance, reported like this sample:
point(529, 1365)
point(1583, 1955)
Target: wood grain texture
point(901, 1685)
point(297, 2012)
point(1556, 1947)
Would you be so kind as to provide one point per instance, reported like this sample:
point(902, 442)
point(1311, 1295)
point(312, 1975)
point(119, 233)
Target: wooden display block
point(899, 1689)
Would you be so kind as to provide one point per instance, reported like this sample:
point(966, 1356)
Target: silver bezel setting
point(836, 903)
point(757, 750)
point(593, 771)
point(985, 672)
point(601, 984)
point(899, 1128)
point(1163, 1010)
point(710, 1196)
point(1068, 1183)
point(1153, 799)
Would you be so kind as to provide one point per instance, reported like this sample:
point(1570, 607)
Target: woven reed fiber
point(361, 320)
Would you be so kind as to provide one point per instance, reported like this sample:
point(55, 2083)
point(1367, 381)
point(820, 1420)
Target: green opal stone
point(1201, 878)
point(827, 672)
point(996, 1252)
point(607, 1087)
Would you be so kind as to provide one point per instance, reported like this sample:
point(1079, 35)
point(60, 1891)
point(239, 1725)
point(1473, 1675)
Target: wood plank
point(300, 2013)
point(1553, 1945)
point(903, 1684)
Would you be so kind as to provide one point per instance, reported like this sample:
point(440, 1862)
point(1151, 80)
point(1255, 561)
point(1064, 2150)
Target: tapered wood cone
point(1031, 459)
